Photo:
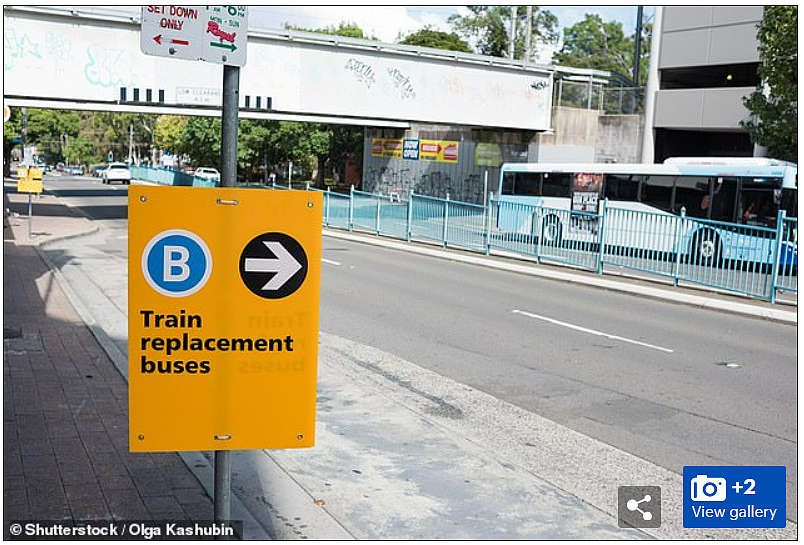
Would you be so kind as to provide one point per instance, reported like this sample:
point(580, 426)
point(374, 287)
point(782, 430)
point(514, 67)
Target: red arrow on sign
point(180, 42)
point(158, 39)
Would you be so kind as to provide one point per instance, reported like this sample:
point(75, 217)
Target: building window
point(700, 77)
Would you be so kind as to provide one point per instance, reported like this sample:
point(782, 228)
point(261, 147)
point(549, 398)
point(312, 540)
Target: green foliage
point(429, 37)
point(201, 140)
point(774, 104)
point(593, 43)
point(348, 30)
point(80, 151)
point(11, 131)
point(488, 27)
point(168, 132)
point(47, 130)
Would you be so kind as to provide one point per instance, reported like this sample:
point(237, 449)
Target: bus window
point(528, 183)
point(724, 195)
point(790, 203)
point(759, 202)
point(508, 183)
point(657, 191)
point(692, 193)
point(556, 184)
point(622, 187)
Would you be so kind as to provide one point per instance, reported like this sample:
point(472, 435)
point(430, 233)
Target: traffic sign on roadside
point(172, 31)
point(225, 35)
point(223, 318)
point(216, 34)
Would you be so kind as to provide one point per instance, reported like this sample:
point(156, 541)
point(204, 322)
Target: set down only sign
point(223, 318)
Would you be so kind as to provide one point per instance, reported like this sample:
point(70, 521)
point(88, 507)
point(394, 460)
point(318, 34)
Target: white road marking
point(330, 262)
point(591, 331)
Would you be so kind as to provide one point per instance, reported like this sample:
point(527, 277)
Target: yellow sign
point(440, 151)
point(29, 180)
point(386, 147)
point(27, 185)
point(223, 318)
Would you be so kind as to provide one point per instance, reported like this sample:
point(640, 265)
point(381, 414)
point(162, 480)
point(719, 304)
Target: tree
point(774, 105)
point(593, 43)
point(11, 132)
point(488, 28)
point(202, 140)
point(347, 30)
point(169, 132)
point(50, 129)
point(429, 37)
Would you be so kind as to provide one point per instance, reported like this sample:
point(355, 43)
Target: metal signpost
point(215, 34)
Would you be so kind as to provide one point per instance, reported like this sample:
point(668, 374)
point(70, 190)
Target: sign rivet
point(300, 437)
point(140, 437)
point(309, 205)
point(143, 198)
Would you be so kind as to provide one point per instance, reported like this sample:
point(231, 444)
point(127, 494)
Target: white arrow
point(285, 266)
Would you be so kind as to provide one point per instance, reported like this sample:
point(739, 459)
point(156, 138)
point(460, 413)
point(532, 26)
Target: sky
point(387, 23)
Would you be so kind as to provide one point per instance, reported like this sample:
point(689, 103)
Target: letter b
point(148, 366)
point(176, 258)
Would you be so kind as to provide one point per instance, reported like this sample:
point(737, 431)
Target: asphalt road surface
point(672, 384)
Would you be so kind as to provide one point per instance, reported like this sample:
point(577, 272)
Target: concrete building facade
point(707, 63)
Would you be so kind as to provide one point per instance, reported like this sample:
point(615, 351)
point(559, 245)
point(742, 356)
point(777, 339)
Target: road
point(671, 384)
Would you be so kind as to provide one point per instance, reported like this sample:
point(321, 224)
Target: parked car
point(208, 173)
point(75, 170)
point(117, 172)
point(97, 170)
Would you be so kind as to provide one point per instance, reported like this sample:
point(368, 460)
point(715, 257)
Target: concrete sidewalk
point(65, 422)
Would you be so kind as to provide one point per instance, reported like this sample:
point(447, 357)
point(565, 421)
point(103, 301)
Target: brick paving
point(65, 416)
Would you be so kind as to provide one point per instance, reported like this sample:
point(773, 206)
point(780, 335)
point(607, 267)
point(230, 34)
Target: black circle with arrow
point(273, 265)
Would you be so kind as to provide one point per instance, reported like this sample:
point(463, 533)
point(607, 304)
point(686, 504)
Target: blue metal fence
point(163, 176)
point(750, 260)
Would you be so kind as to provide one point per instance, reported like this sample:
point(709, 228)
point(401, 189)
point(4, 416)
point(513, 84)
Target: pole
point(512, 34)
point(131, 144)
point(231, 91)
point(637, 55)
point(652, 85)
point(529, 36)
point(290, 175)
point(637, 46)
point(30, 213)
point(24, 133)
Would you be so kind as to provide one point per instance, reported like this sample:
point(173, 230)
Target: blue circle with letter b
point(176, 263)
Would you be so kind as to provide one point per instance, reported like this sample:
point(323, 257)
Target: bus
point(732, 205)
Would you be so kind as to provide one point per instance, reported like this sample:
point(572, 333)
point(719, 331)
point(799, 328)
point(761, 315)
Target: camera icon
point(708, 488)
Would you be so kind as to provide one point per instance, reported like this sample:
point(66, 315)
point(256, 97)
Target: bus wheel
point(551, 231)
point(705, 248)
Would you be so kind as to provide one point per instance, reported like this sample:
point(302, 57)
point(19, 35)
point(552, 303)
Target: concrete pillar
point(651, 88)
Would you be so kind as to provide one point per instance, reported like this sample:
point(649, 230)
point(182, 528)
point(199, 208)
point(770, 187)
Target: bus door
point(759, 201)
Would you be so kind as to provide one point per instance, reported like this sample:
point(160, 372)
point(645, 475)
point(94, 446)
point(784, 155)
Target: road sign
point(223, 318)
point(216, 34)
point(172, 31)
point(225, 35)
point(273, 265)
